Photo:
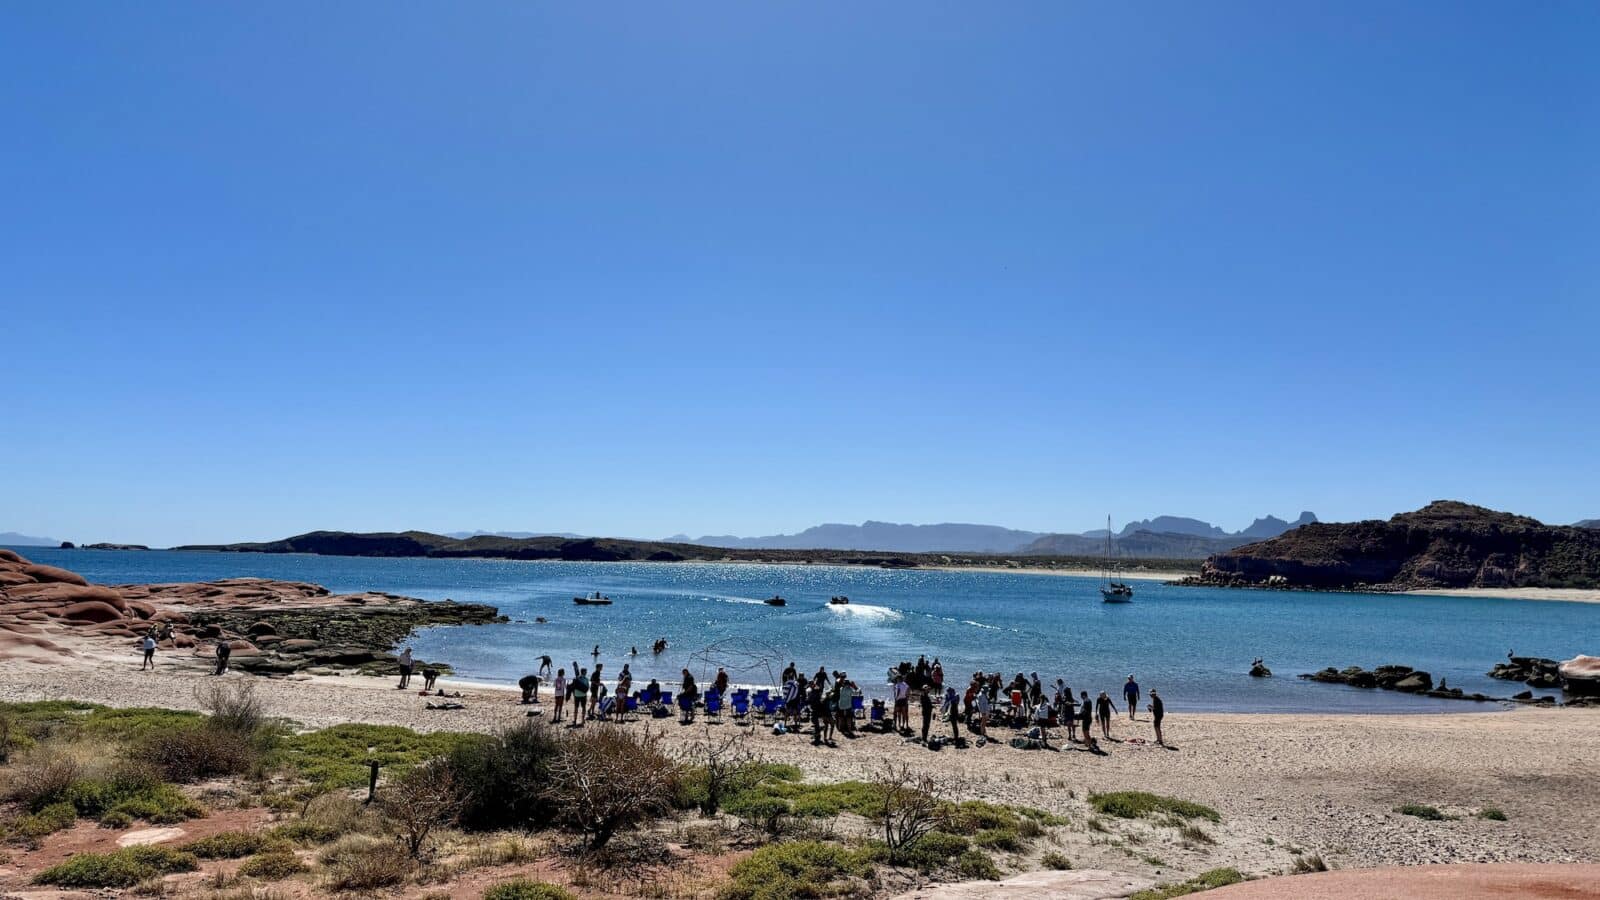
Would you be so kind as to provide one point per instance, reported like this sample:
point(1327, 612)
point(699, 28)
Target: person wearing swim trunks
point(1157, 711)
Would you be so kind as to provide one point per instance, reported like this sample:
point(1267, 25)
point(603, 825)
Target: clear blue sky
point(747, 267)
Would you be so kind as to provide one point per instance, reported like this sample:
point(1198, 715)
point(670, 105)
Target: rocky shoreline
point(272, 628)
point(1407, 680)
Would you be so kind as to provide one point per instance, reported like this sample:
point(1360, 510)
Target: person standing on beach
point(952, 711)
point(544, 666)
point(1066, 710)
point(1041, 721)
point(594, 688)
point(405, 670)
point(926, 701)
point(902, 704)
point(223, 653)
point(816, 705)
point(980, 717)
point(1104, 708)
point(1157, 711)
point(1130, 694)
point(1086, 720)
point(580, 696)
point(148, 645)
point(560, 688)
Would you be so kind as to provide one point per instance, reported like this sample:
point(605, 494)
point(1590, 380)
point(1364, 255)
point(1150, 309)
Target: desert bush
point(799, 869)
point(41, 778)
point(272, 865)
point(1138, 804)
point(325, 818)
point(1205, 881)
point(423, 799)
point(910, 804)
point(234, 705)
point(1494, 814)
point(1005, 839)
point(190, 754)
point(116, 819)
point(49, 820)
point(1309, 863)
point(526, 889)
point(503, 777)
point(768, 815)
point(122, 868)
point(934, 850)
point(1194, 834)
point(714, 767)
point(1054, 860)
point(228, 844)
point(1422, 811)
point(379, 864)
point(976, 864)
point(608, 779)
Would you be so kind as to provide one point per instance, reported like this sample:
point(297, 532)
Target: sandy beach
point(1567, 595)
point(1126, 574)
point(1285, 784)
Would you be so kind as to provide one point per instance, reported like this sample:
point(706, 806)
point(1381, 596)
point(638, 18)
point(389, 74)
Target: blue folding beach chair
point(741, 708)
point(857, 704)
point(877, 714)
point(713, 705)
point(630, 707)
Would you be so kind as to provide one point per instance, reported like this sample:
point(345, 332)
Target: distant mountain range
point(464, 535)
point(1165, 537)
point(1587, 523)
point(13, 539)
point(881, 536)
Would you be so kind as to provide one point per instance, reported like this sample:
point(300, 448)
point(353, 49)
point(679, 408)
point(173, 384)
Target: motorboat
point(775, 600)
point(840, 600)
point(594, 599)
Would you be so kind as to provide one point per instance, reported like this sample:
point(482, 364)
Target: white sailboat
point(1114, 589)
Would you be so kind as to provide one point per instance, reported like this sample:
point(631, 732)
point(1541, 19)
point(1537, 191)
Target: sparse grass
point(934, 850)
point(273, 864)
point(1096, 823)
point(1054, 860)
point(1423, 811)
point(1138, 804)
point(526, 889)
point(1194, 834)
point(1493, 814)
point(381, 864)
point(1005, 839)
point(1205, 881)
point(1043, 817)
point(1312, 862)
point(122, 868)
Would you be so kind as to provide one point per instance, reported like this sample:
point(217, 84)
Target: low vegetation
point(1422, 811)
point(1493, 814)
point(1139, 804)
point(1205, 881)
point(800, 869)
point(122, 868)
point(526, 889)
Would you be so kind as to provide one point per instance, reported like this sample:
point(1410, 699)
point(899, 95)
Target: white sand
point(1569, 595)
point(1304, 783)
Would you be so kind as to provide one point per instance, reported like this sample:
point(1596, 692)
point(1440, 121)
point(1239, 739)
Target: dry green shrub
point(379, 864)
point(423, 799)
point(273, 864)
point(609, 779)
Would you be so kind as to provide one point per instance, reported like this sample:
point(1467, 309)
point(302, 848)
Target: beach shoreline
point(1310, 782)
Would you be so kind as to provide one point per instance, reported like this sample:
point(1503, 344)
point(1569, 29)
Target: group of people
point(830, 702)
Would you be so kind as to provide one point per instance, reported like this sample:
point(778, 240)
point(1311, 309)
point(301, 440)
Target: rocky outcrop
point(1390, 678)
point(1446, 544)
point(272, 627)
point(1580, 676)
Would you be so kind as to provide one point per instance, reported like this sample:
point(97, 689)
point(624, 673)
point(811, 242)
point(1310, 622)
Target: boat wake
point(866, 612)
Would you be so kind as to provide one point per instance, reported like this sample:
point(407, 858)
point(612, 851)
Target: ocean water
point(1193, 644)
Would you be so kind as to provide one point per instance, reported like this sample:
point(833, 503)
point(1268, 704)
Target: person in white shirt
point(148, 645)
point(980, 719)
point(1041, 720)
point(561, 693)
point(405, 670)
point(902, 704)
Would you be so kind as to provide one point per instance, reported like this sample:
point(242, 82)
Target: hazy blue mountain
point(1172, 525)
point(1272, 526)
point(1138, 545)
point(13, 539)
point(953, 537)
point(1586, 523)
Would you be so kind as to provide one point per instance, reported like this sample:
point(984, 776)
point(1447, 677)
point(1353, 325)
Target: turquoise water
point(1194, 644)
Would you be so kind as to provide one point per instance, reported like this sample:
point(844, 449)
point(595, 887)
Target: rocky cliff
point(1445, 544)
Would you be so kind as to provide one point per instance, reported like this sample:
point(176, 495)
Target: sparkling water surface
point(1193, 644)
